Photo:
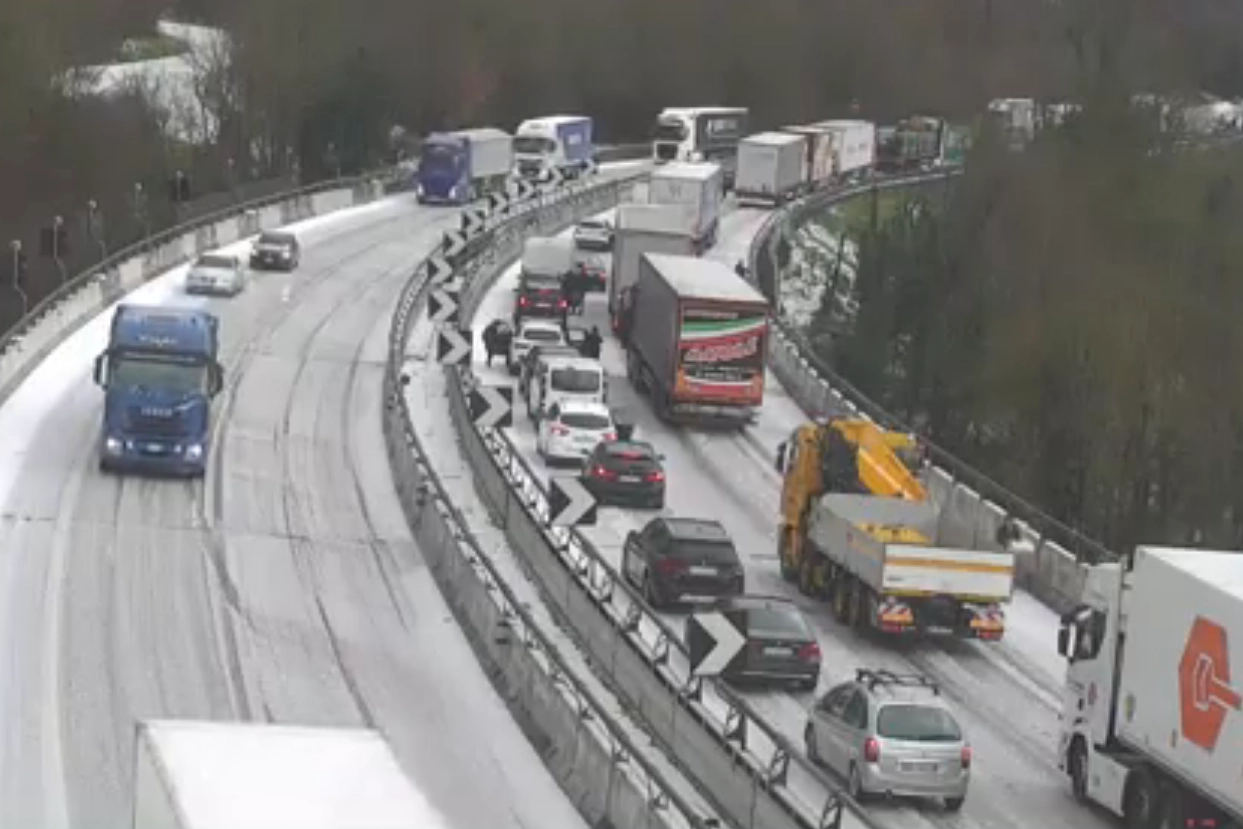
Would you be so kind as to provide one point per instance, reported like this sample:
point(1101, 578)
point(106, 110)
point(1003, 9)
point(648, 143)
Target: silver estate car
point(890, 734)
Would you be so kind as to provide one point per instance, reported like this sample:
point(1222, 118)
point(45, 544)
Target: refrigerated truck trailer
point(218, 775)
point(459, 167)
point(819, 153)
point(854, 147)
point(1152, 711)
point(772, 168)
point(696, 337)
point(564, 143)
point(698, 190)
point(640, 229)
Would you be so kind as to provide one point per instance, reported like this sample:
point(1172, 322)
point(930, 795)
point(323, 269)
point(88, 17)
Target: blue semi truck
point(558, 142)
point(159, 375)
point(459, 167)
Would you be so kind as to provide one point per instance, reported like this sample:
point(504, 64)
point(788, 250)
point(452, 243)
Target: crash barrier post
point(592, 756)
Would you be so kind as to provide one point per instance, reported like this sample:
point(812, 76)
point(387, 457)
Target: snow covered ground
point(817, 246)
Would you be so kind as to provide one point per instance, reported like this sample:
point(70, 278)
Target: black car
point(276, 249)
point(626, 472)
point(780, 645)
point(539, 296)
point(672, 558)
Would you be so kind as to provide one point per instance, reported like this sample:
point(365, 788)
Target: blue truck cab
point(461, 166)
point(159, 375)
point(561, 142)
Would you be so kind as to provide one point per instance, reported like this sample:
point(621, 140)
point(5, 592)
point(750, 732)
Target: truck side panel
point(655, 323)
point(490, 157)
point(721, 352)
point(577, 140)
point(628, 248)
point(1180, 693)
point(547, 256)
point(155, 799)
point(950, 572)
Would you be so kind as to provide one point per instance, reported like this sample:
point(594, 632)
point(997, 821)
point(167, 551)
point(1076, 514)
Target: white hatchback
point(530, 334)
point(571, 429)
point(216, 273)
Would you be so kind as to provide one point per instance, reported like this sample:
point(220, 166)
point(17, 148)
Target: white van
point(565, 378)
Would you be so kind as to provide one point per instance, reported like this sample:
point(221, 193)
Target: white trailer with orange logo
point(875, 558)
point(1152, 715)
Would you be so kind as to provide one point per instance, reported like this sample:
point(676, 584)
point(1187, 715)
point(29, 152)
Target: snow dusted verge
point(822, 256)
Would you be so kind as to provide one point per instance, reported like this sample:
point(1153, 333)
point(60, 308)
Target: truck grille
point(153, 424)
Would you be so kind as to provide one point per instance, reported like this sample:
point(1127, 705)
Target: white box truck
point(564, 143)
point(819, 149)
point(216, 775)
point(698, 190)
point(640, 229)
point(1152, 712)
point(772, 168)
point(854, 147)
point(547, 256)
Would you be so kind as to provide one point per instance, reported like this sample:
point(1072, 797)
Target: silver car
point(216, 273)
point(891, 734)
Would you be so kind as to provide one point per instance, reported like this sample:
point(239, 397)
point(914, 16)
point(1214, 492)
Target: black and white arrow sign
point(442, 306)
point(453, 345)
point(473, 221)
point(569, 503)
point(439, 269)
point(454, 243)
point(497, 202)
point(492, 407)
point(723, 641)
point(523, 190)
point(555, 178)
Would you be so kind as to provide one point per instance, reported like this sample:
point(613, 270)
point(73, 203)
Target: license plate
point(629, 479)
point(702, 571)
point(777, 651)
point(920, 766)
point(155, 447)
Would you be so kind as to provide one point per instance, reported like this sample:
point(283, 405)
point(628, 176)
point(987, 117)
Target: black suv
point(539, 296)
point(672, 558)
point(276, 249)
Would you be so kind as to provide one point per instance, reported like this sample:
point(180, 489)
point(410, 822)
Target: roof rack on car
point(873, 678)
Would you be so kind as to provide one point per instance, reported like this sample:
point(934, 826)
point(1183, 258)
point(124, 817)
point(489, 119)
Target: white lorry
point(854, 147)
point(216, 775)
point(561, 143)
point(772, 168)
point(640, 229)
point(698, 190)
point(819, 149)
point(551, 256)
point(1152, 712)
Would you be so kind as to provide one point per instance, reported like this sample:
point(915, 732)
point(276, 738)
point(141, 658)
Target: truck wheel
point(1078, 769)
point(857, 599)
point(840, 599)
point(788, 572)
point(807, 576)
point(1140, 802)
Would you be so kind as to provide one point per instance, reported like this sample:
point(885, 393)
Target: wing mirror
point(215, 379)
point(101, 369)
point(1063, 640)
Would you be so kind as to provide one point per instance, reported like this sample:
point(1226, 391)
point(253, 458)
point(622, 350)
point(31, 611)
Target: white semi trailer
point(217, 775)
point(1152, 713)
point(772, 168)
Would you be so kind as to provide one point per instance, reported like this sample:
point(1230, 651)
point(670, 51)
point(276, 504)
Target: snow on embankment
point(821, 258)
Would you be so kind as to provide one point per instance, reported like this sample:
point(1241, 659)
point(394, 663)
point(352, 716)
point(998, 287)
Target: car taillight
point(558, 429)
point(669, 566)
point(966, 757)
point(561, 303)
point(654, 477)
point(609, 436)
point(598, 471)
point(524, 301)
point(809, 652)
point(871, 750)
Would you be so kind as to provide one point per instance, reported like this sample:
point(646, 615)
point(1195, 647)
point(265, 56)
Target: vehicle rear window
point(918, 723)
point(585, 420)
point(215, 262)
point(274, 239)
point(541, 285)
point(715, 551)
point(771, 621)
point(631, 452)
point(575, 380)
point(542, 335)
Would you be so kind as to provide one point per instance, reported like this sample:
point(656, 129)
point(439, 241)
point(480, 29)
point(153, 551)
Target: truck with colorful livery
point(696, 336)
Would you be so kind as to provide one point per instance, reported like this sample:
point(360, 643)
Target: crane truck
point(228, 775)
point(858, 528)
point(1152, 711)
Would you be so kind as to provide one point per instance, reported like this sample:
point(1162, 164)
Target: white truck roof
point(843, 123)
point(1222, 570)
point(684, 170)
point(773, 139)
point(483, 133)
point(695, 278)
point(260, 776)
point(652, 218)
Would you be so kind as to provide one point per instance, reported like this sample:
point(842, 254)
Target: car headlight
point(112, 445)
point(194, 451)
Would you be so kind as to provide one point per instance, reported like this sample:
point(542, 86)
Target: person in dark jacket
point(592, 343)
point(496, 339)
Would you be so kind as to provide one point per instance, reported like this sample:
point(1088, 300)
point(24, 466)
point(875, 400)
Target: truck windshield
point(918, 723)
point(534, 145)
point(135, 372)
point(438, 157)
point(669, 131)
point(576, 380)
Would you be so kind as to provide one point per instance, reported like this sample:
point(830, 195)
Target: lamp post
point(58, 227)
point(140, 209)
point(16, 247)
point(95, 227)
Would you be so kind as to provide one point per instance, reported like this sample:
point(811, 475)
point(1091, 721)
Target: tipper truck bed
point(696, 339)
point(1152, 713)
point(217, 775)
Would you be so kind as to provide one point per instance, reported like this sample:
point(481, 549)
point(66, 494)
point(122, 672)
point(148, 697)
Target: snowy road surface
point(1006, 694)
point(285, 587)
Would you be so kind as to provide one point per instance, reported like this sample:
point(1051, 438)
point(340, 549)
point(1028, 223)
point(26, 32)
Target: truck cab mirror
point(1063, 640)
point(215, 379)
point(100, 367)
point(780, 463)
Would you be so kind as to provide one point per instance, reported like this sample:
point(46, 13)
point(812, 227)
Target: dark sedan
point(276, 249)
point(780, 645)
point(627, 473)
point(673, 558)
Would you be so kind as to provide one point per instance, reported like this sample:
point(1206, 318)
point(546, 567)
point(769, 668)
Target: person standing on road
point(592, 343)
point(496, 339)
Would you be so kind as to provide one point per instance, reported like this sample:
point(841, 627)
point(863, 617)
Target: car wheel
point(809, 740)
point(658, 503)
point(856, 784)
point(651, 594)
point(954, 804)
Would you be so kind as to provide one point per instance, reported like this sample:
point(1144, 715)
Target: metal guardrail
point(425, 498)
point(1044, 527)
point(746, 766)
